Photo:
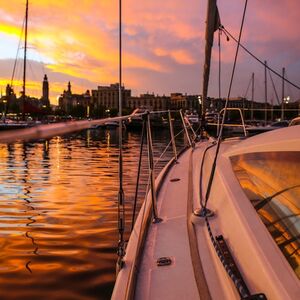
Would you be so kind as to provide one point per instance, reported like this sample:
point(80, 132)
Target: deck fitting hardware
point(157, 220)
point(164, 261)
point(203, 212)
point(256, 297)
point(174, 179)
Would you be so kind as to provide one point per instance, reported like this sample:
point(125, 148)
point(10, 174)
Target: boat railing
point(146, 132)
point(231, 125)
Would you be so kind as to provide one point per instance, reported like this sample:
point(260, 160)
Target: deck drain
point(163, 261)
point(175, 179)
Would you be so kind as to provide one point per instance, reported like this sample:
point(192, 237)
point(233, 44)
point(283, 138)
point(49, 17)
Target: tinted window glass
point(271, 181)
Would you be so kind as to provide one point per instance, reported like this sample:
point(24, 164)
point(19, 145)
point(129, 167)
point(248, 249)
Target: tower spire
point(45, 98)
point(69, 88)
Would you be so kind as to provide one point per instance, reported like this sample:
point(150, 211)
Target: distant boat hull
point(12, 126)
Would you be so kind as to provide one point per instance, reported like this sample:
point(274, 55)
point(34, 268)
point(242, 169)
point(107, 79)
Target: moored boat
point(221, 222)
point(255, 205)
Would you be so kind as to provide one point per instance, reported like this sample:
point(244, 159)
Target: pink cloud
point(161, 38)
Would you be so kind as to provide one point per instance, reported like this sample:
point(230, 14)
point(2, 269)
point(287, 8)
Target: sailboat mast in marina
point(25, 62)
point(212, 25)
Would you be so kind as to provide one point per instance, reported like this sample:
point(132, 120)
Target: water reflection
point(58, 213)
point(31, 211)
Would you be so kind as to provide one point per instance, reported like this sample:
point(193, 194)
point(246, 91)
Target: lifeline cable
point(138, 175)
point(15, 63)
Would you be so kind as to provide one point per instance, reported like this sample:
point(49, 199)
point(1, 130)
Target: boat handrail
point(232, 125)
point(185, 129)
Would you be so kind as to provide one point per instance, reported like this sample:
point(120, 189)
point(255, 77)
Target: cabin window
point(271, 181)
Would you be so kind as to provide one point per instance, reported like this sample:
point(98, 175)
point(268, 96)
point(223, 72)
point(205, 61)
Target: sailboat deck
point(196, 271)
point(171, 240)
point(184, 238)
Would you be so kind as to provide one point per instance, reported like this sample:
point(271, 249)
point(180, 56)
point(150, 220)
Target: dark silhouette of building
point(75, 104)
point(9, 101)
point(69, 88)
point(45, 97)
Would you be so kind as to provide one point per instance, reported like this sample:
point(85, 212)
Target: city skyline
point(163, 45)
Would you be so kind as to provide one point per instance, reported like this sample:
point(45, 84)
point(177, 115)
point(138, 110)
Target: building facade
point(216, 104)
point(108, 96)
point(185, 102)
point(149, 101)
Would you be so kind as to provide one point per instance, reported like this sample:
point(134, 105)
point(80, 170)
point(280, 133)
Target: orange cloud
point(79, 41)
point(181, 56)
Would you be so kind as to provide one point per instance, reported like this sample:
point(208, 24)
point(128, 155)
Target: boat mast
point(282, 96)
point(25, 60)
point(252, 97)
point(209, 37)
point(266, 93)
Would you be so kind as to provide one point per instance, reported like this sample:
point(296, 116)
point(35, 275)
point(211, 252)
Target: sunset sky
point(163, 44)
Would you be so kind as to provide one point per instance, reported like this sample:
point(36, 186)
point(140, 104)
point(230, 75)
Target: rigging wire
point(246, 93)
point(16, 59)
point(219, 45)
point(258, 59)
point(121, 200)
point(201, 173)
point(166, 148)
point(212, 173)
point(32, 71)
point(138, 175)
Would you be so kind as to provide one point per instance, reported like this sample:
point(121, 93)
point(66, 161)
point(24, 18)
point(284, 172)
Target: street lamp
point(287, 99)
point(200, 99)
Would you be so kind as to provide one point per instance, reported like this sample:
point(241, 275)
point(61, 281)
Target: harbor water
point(58, 212)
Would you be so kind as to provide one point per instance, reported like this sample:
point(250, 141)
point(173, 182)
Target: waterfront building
point(185, 102)
point(149, 101)
point(291, 109)
point(75, 104)
point(216, 104)
point(9, 101)
point(108, 96)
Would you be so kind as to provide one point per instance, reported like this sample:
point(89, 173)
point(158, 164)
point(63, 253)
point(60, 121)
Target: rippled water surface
point(58, 213)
